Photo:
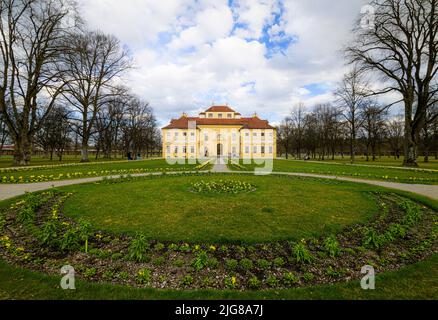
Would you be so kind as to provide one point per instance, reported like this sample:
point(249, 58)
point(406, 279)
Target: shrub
point(108, 274)
point(26, 215)
point(123, 275)
point(254, 283)
point(413, 212)
point(173, 247)
point(279, 262)
point(200, 261)
point(272, 281)
point(372, 239)
point(116, 256)
point(70, 240)
point(231, 264)
point(139, 248)
point(144, 276)
point(263, 264)
point(289, 278)
point(301, 253)
point(84, 229)
point(187, 280)
point(331, 245)
point(185, 248)
point(223, 249)
point(246, 264)
point(395, 231)
point(48, 233)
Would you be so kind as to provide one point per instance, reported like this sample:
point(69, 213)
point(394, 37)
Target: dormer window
point(210, 115)
point(229, 116)
point(220, 115)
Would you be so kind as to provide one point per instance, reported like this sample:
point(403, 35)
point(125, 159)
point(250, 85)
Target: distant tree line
point(395, 45)
point(60, 86)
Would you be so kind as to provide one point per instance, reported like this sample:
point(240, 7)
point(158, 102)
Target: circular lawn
point(277, 208)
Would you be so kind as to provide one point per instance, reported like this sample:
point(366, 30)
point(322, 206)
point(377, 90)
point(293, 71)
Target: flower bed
point(34, 234)
point(222, 186)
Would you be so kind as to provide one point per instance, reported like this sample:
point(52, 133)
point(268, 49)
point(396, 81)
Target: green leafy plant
point(159, 247)
point(279, 262)
point(263, 264)
point(212, 263)
point(179, 263)
point(308, 276)
point(48, 233)
point(230, 282)
point(231, 264)
point(187, 280)
point(90, 272)
point(254, 283)
point(84, 229)
point(246, 264)
point(331, 245)
point(144, 276)
point(289, 278)
point(301, 253)
point(200, 261)
point(70, 240)
point(372, 239)
point(272, 281)
point(222, 186)
point(139, 249)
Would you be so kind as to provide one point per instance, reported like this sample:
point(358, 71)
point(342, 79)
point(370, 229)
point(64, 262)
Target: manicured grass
point(386, 161)
point(163, 208)
point(417, 281)
point(72, 171)
point(358, 171)
point(7, 161)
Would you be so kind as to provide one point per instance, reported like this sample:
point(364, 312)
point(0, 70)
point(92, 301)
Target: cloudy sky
point(259, 56)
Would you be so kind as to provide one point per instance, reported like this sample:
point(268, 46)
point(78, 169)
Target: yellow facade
point(220, 133)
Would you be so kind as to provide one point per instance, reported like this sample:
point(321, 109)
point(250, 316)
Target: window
point(210, 115)
point(234, 150)
point(184, 149)
point(176, 134)
point(234, 136)
point(168, 136)
point(254, 134)
point(246, 149)
point(270, 149)
point(247, 134)
point(263, 134)
point(263, 150)
point(192, 134)
point(220, 115)
point(255, 149)
point(184, 134)
point(192, 149)
point(176, 149)
point(168, 150)
point(206, 137)
point(229, 116)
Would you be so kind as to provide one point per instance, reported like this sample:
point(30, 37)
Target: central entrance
point(220, 150)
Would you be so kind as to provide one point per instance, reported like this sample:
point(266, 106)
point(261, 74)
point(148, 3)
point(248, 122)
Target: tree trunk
point(22, 151)
point(84, 152)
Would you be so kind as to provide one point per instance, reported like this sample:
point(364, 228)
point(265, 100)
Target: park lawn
point(417, 176)
point(7, 161)
point(417, 281)
point(164, 208)
point(385, 161)
point(75, 171)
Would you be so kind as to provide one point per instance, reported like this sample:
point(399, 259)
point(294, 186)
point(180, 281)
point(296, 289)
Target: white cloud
point(188, 56)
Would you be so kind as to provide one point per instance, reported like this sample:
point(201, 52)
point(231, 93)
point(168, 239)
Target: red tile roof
point(220, 109)
point(246, 123)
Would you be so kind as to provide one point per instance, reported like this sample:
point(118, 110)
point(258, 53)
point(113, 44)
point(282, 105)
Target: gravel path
point(12, 190)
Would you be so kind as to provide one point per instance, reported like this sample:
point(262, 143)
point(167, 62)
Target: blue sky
point(261, 56)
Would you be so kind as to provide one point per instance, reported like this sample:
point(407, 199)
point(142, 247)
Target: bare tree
point(285, 133)
point(373, 127)
point(401, 46)
point(297, 117)
point(351, 97)
point(30, 44)
point(4, 134)
point(93, 63)
point(395, 129)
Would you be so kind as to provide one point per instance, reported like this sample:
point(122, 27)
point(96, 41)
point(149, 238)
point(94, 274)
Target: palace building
point(219, 132)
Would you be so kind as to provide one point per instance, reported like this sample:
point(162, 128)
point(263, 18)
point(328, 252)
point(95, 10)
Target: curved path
point(8, 191)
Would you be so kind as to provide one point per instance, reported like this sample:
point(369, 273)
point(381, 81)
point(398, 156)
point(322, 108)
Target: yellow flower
point(212, 248)
point(233, 280)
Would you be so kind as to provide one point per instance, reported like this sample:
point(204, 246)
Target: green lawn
point(386, 161)
point(164, 208)
point(418, 176)
point(8, 161)
point(417, 281)
point(72, 171)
